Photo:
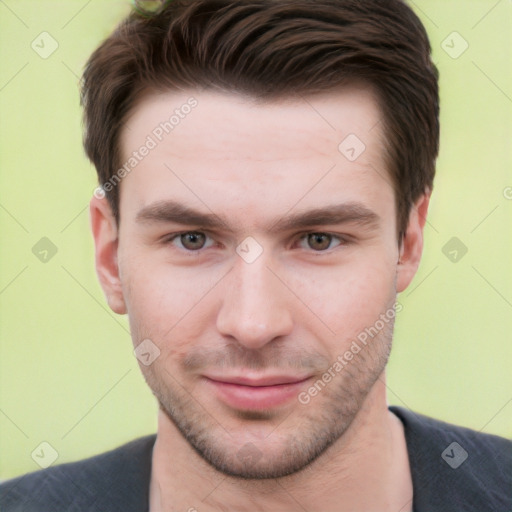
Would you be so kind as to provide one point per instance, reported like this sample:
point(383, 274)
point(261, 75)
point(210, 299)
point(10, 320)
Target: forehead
point(236, 151)
point(214, 117)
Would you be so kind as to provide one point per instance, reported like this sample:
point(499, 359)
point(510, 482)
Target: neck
point(367, 469)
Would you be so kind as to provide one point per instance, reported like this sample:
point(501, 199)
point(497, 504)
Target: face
point(253, 253)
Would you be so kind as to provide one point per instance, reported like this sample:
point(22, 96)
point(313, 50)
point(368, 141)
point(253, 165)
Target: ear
point(105, 233)
point(411, 247)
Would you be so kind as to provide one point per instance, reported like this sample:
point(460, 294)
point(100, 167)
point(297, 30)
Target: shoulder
point(115, 480)
point(456, 468)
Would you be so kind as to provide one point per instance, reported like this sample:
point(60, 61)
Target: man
point(265, 170)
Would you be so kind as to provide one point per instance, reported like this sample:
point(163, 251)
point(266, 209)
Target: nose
point(254, 306)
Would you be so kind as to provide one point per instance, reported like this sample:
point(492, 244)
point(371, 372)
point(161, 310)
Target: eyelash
point(343, 241)
point(176, 236)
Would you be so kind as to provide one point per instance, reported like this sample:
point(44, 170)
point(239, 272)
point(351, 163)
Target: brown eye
point(319, 241)
point(192, 241)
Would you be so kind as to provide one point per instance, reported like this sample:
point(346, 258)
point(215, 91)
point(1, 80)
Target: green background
point(68, 375)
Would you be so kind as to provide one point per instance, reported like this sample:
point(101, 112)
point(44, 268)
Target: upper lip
point(258, 381)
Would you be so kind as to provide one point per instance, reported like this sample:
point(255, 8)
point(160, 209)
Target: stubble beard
point(301, 438)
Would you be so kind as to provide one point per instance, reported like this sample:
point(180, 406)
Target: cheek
point(348, 298)
point(161, 301)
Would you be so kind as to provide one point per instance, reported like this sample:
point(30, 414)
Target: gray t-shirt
point(454, 469)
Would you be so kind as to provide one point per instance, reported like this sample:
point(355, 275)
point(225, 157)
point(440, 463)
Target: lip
point(255, 392)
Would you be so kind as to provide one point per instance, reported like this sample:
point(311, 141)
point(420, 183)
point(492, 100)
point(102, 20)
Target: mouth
point(255, 392)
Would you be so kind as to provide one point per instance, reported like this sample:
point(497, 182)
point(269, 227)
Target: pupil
point(320, 241)
point(193, 240)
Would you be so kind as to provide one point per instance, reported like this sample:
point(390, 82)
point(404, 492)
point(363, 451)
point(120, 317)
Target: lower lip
point(255, 398)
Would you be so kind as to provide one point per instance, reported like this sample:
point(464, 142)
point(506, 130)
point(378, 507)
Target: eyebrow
point(353, 213)
point(171, 211)
point(174, 212)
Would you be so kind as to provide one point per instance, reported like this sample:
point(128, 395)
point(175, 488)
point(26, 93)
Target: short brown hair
point(272, 49)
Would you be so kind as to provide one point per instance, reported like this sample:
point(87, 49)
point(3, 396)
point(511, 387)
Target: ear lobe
point(411, 247)
point(105, 234)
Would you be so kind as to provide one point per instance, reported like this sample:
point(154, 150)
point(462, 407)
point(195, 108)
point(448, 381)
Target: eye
point(191, 241)
point(319, 242)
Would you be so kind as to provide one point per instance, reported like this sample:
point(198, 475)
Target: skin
point(294, 310)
